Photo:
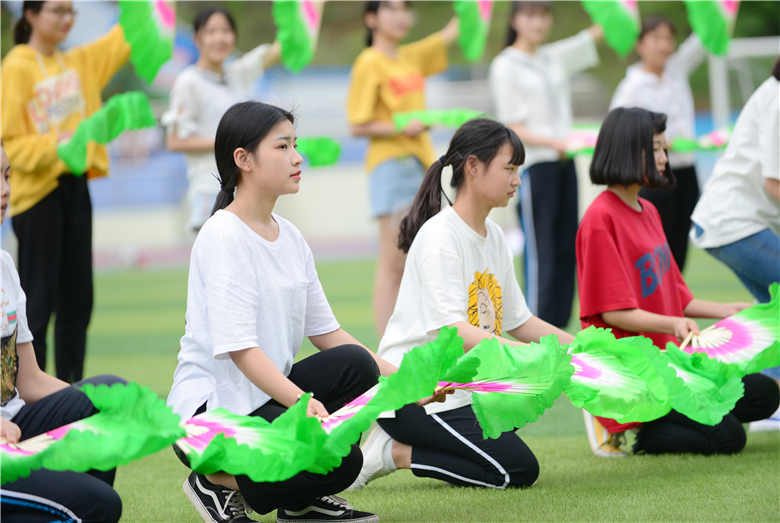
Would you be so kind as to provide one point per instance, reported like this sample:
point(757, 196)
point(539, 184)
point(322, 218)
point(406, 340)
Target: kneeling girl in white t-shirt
point(459, 272)
point(252, 295)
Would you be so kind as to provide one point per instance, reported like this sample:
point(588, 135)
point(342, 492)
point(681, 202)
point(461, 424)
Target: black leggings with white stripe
point(449, 446)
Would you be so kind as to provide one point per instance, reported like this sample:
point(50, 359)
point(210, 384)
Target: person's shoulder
point(767, 94)
point(288, 227)
point(649, 208)
point(438, 230)
point(502, 60)
point(601, 210)
point(368, 57)
point(187, 76)
point(494, 229)
point(222, 227)
point(20, 57)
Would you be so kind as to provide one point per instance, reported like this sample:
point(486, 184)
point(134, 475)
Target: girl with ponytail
point(459, 273)
point(46, 95)
point(252, 296)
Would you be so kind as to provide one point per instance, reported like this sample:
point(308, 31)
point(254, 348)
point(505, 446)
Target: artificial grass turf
point(139, 318)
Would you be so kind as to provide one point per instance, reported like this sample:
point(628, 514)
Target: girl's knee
point(360, 361)
point(525, 473)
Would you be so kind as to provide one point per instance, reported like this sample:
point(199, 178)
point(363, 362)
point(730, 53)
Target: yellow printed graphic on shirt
point(485, 306)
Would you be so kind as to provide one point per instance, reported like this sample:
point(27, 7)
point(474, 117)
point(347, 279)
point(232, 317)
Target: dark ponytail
point(481, 138)
point(523, 6)
point(243, 126)
point(23, 29)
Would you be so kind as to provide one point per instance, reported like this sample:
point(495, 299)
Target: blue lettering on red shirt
point(652, 266)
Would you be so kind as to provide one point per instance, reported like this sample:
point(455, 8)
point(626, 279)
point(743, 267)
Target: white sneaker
point(772, 423)
point(602, 443)
point(374, 465)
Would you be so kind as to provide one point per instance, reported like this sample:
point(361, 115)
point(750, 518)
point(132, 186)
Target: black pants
point(47, 495)
point(674, 433)
point(547, 210)
point(55, 269)
point(449, 446)
point(335, 376)
point(675, 207)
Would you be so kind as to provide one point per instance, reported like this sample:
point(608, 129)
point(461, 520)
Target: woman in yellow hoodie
point(46, 93)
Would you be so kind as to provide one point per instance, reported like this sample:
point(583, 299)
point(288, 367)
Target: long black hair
point(243, 126)
point(624, 149)
point(522, 6)
point(480, 137)
point(372, 7)
point(23, 29)
point(202, 17)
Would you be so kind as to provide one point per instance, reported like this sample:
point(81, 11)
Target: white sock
point(387, 455)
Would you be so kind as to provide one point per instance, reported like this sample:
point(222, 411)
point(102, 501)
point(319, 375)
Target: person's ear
point(242, 159)
point(370, 21)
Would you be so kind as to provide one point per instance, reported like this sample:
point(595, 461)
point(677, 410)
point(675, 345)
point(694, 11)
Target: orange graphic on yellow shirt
point(485, 306)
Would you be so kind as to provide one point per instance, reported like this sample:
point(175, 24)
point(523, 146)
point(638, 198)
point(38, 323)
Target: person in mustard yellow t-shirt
point(389, 78)
point(46, 94)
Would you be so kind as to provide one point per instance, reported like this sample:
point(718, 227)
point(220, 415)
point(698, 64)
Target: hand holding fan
point(149, 27)
point(474, 18)
point(748, 340)
point(619, 19)
point(446, 117)
point(132, 422)
point(514, 385)
point(122, 112)
point(713, 21)
point(298, 26)
point(626, 379)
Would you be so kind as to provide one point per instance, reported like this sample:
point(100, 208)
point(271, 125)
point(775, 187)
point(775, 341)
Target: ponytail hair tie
point(443, 160)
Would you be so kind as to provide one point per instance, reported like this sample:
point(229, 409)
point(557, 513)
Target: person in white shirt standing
point(201, 95)
point(659, 83)
point(252, 296)
point(459, 273)
point(737, 219)
point(530, 83)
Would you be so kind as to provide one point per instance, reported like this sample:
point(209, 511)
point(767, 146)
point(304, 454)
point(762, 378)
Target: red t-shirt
point(624, 262)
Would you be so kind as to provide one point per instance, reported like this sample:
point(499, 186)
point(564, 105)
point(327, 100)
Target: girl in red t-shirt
point(629, 281)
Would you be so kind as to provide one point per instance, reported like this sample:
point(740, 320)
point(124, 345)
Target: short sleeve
point(443, 289)
point(516, 311)
point(231, 305)
point(23, 334)
point(428, 54)
point(363, 91)
point(182, 115)
point(604, 284)
point(768, 122)
point(319, 317)
point(575, 53)
point(511, 106)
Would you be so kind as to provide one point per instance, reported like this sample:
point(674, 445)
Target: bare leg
point(389, 269)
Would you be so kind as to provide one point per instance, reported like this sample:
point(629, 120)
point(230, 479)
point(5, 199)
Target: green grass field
point(135, 331)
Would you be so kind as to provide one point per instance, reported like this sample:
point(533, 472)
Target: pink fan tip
point(165, 14)
point(583, 369)
point(201, 441)
point(485, 9)
point(310, 14)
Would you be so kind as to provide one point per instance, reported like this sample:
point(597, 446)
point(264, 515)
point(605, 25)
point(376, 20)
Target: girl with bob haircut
point(389, 78)
point(252, 295)
point(459, 273)
point(201, 95)
point(630, 282)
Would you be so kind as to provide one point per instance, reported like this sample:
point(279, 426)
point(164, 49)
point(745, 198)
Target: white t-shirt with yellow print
point(453, 274)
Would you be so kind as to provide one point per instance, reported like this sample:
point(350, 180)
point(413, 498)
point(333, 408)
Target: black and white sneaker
point(215, 503)
point(327, 509)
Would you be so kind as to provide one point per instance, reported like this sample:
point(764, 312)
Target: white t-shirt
point(13, 330)
point(452, 274)
point(198, 100)
point(734, 203)
point(244, 291)
point(670, 94)
point(534, 90)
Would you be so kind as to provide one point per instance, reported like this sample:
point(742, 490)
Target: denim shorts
point(393, 184)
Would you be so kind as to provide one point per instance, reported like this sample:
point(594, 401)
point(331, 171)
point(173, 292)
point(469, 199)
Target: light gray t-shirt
point(535, 91)
point(244, 291)
point(734, 204)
